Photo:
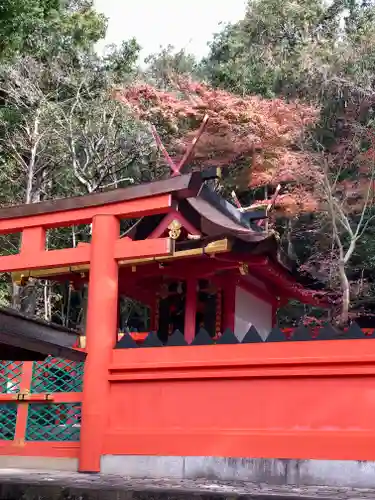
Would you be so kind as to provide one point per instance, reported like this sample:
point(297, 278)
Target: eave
point(26, 339)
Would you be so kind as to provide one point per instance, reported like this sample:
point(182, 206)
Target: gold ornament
point(244, 269)
point(174, 229)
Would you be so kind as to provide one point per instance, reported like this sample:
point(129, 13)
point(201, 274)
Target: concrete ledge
point(267, 471)
point(47, 485)
point(44, 463)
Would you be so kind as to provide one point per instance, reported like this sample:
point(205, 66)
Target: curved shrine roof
point(204, 209)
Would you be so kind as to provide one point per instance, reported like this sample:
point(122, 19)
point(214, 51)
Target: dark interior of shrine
point(170, 313)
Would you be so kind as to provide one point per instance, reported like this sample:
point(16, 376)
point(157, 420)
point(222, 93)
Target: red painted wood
point(128, 249)
point(33, 240)
point(57, 397)
point(293, 400)
point(126, 209)
point(229, 302)
point(123, 249)
point(40, 449)
point(45, 259)
point(101, 337)
point(190, 309)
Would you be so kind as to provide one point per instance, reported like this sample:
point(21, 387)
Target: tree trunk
point(345, 288)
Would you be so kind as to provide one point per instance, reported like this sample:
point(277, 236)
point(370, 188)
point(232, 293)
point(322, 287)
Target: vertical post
point(229, 304)
point(22, 409)
point(101, 334)
point(190, 309)
point(275, 307)
point(154, 312)
point(33, 240)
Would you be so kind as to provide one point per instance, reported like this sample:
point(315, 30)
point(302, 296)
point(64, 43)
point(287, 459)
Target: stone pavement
point(20, 484)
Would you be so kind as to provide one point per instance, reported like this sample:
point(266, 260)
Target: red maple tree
point(254, 137)
point(259, 141)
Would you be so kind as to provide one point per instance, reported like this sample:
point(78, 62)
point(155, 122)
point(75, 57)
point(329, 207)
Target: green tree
point(166, 66)
point(44, 28)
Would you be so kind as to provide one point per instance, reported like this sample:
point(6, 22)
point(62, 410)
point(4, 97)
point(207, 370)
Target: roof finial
point(178, 169)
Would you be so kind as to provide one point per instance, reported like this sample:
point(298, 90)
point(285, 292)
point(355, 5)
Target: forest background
point(290, 92)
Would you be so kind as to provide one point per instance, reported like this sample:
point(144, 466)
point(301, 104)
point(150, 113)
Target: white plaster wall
point(251, 280)
point(250, 310)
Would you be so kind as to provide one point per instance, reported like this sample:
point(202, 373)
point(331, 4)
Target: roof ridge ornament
point(179, 168)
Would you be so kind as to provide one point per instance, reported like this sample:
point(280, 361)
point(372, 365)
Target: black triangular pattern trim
point(276, 335)
point(301, 333)
point(252, 336)
point(177, 339)
point(327, 333)
point(202, 338)
point(152, 340)
point(126, 342)
point(228, 337)
point(354, 332)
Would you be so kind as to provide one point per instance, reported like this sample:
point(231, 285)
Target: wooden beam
point(215, 247)
point(218, 246)
point(124, 249)
point(46, 259)
point(124, 209)
point(198, 268)
point(128, 249)
point(183, 186)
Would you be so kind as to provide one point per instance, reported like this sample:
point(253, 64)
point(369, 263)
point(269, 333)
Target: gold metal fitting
point(174, 229)
point(244, 269)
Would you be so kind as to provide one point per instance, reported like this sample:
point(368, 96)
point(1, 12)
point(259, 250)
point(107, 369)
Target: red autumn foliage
point(257, 139)
point(242, 132)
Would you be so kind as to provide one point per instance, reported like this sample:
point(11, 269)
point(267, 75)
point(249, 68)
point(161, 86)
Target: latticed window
point(10, 376)
point(8, 418)
point(54, 422)
point(57, 375)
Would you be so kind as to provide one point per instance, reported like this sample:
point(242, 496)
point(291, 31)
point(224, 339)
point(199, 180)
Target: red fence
point(290, 400)
point(301, 400)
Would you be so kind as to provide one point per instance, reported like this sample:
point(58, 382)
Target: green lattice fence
point(8, 418)
point(57, 375)
point(54, 422)
point(45, 421)
point(10, 376)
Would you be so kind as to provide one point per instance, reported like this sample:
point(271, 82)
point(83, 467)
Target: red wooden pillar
point(190, 309)
point(101, 330)
point(229, 304)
